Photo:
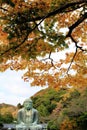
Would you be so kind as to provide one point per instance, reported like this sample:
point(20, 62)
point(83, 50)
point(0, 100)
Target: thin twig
point(72, 60)
point(77, 47)
point(73, 40)
point(51, 59)
point(1, 8)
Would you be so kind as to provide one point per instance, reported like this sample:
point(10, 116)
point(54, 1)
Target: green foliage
point(47, 102)
point(73, 96)
point(82, 121)
point(51, 36)
point(71, 111)
point(51, 107)
point(7, 118)
point(43, 110)
point(1, 119)
point(52, 125)
point(76, 105)
point(75, 108)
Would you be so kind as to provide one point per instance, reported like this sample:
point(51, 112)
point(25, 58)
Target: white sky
point(13, 89)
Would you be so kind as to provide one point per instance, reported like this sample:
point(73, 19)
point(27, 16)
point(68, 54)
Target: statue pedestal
point(32, 127)
point(18, 127)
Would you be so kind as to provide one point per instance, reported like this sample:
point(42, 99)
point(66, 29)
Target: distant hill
point(62, 110)
point(7, 108)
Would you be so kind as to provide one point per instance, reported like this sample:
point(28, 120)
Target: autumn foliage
point(33, 34)
point(33, 31)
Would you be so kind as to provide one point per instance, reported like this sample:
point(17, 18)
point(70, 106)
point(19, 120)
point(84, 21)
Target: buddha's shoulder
point(34, 110)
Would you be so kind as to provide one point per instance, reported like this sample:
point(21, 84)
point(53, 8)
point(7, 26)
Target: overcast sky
point(13, 89)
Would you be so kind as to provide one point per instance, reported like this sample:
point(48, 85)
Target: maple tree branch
point(48, 15)
point(77, 47)
point(61, 9)
point(78, 7)
point(72, 27)
point(17, 46)
point(49, 58)
point(72, 60)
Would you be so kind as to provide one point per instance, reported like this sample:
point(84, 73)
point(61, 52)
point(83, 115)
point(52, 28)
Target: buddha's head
point(28, 104)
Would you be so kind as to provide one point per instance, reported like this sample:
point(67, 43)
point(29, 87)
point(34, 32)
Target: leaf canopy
point(32, 30)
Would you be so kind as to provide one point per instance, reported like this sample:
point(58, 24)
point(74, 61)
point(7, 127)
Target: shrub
point(52, 125)
point(8, 118)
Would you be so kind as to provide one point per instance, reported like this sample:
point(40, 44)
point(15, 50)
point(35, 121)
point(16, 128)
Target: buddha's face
point(28, 105)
